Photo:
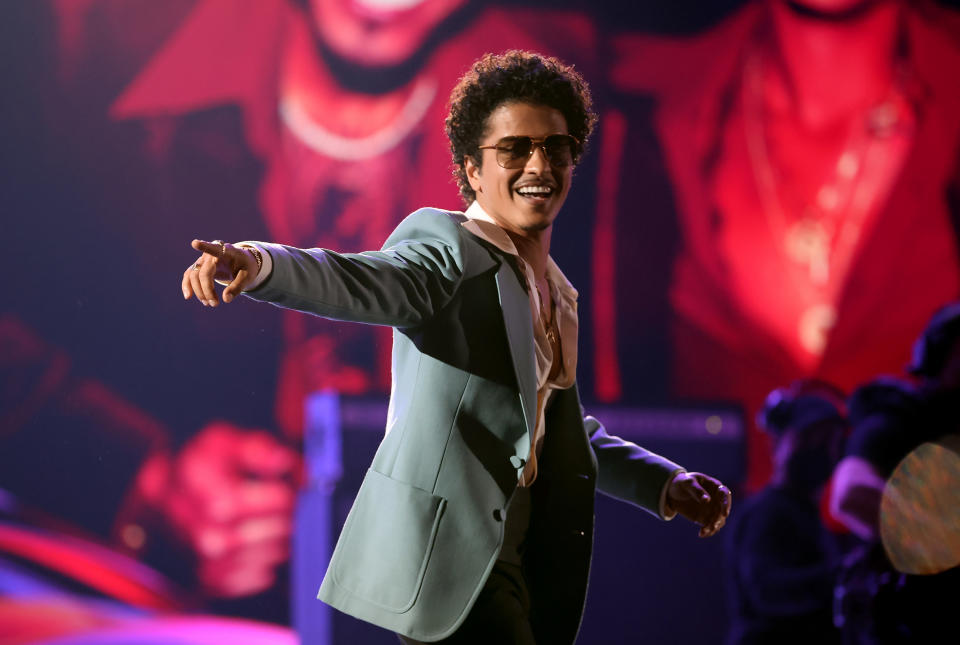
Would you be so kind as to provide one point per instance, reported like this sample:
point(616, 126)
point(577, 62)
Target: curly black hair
point(514, 76)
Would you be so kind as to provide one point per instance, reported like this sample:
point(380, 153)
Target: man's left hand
point(701, 499)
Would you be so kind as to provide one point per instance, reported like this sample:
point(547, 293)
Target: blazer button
point(517, 462)
point(498, 514)
point(577, 533)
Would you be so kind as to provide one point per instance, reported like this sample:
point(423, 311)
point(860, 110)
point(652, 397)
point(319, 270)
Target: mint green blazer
point(427, 524)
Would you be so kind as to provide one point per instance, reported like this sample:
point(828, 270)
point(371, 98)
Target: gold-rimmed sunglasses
point(513, 152)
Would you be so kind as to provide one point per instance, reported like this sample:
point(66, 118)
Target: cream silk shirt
point(565, 312)
point(564, 298)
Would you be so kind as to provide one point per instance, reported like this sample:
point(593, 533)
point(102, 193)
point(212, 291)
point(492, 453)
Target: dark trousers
point(501, 614)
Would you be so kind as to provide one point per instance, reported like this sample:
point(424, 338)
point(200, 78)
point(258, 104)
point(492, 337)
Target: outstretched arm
point(634, 474)
point(402, 285)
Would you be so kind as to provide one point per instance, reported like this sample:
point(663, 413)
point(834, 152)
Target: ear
point(473, 174)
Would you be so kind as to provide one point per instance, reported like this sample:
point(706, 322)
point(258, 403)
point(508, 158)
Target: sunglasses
point(513, 152)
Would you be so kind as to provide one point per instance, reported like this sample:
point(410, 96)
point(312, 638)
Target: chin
point(536, 218)
point(536, 227)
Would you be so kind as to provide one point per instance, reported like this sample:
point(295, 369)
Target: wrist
point(667, 509)
point(261, 256)
point(258, 256)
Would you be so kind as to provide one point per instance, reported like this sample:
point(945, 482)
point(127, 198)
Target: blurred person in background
point(782, 559)
point(891, 417)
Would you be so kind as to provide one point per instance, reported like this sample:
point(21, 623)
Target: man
point(782, 559)
point(475, 520)
point(141, 86)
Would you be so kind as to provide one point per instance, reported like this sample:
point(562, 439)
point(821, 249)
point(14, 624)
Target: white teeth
point(535, 190)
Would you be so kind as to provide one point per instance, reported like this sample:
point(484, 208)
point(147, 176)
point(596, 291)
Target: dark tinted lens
point(512, 152)
point(559, 149)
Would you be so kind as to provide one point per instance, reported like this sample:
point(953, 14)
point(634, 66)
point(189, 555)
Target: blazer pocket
point(386, 542)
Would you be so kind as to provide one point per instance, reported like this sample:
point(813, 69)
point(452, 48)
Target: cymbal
point(920, 509)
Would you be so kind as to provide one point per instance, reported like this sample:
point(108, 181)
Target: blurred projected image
point(310, 122)
point(812, 151)
point(772, 197)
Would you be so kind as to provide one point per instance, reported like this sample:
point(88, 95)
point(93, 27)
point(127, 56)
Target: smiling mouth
point(539, 192)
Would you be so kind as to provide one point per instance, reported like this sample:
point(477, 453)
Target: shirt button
point(498, 514)
point(517, 462)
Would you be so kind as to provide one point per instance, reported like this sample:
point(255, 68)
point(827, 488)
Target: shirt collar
point(483, 226)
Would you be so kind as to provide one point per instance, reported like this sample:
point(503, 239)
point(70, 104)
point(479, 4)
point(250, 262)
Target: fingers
point(242, 560)
point(727, 500)
point(260, 454)
point(236, 286)
point(241, 500)
point(719, 508)
point(695, 491)
point(193, 276)
point(245, 538)
point(686, 488)
point(206, 276)
point(234, 512)
point(219, 472)
point(702, 500)
point(220, 261)
point(210, 248)
point(243, 572)
point(711, 529)
point(185, 287)
point(198, 280)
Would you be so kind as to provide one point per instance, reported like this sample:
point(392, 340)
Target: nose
point(537, 162)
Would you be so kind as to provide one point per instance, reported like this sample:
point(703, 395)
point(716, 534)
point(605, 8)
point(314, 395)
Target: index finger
point(216, 250)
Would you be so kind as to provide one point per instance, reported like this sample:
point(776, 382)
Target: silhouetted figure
point(781, 557)
point(892, 417)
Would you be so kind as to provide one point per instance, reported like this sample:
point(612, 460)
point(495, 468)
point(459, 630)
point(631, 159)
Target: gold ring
point(223, 246)
point(196, 267)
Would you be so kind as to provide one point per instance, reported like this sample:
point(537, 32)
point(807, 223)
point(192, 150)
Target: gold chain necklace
point(550, 324)
point(825, 235)
point(823, 240)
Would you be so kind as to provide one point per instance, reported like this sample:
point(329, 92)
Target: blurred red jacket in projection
point(782, 272)
point(214, 118)
point(341, 166)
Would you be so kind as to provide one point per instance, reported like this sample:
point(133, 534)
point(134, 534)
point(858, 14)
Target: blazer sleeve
point(628, 471)
point(404, 284)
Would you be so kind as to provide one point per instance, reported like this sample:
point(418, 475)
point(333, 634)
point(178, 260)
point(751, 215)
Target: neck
point(833, 67)
point(534, 248)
